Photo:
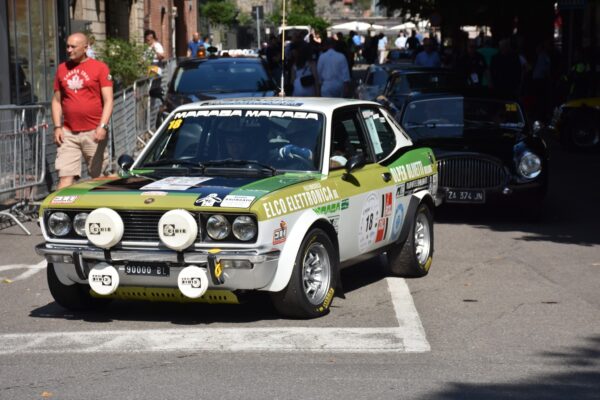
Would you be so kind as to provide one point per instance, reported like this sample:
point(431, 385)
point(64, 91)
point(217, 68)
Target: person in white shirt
point(157, 48)
point(400, 42)
point(382, 48)
point(333, 72)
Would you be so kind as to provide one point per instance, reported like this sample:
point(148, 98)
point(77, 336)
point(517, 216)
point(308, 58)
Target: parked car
point(409, 81)
point(215, 77)
point(485, 149)
point(376, 77)
point(244, 195)
point(577, 123)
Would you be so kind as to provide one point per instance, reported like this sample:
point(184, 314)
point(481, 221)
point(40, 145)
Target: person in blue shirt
point(194, 45)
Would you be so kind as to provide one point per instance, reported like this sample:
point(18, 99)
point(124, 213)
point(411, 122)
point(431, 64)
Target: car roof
point(218, 60)
point(324, 104)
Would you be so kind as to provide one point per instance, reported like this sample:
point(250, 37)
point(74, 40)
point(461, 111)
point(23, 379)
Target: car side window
point(379, 131)
point(347, 138)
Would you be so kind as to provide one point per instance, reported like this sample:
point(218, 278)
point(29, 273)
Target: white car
point(240, 195)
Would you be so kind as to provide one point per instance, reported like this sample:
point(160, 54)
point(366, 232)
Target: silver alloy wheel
point(316, 273)
point(422, 238)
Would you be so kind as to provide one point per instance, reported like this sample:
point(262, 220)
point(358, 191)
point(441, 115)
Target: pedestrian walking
point(382, 48)
point(194, 45)
point(81, 108)
point(333, 72)
point(155, 51)
point(304, 72)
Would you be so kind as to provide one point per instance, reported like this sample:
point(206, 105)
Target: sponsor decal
point(387, 201)
point(104, 280)
point(327, 301)
point(208, 201)
point(154, 193)
point(398, 218)
point(174, 183)
point(333, 207)
point(335, 222)
point(400, 190)
point(369, 218)
point(381, 229)
point(149, 200)
point(94, 228)
point(171, 230)
point(194, 282)
point(409, 171)
point(237, 201)
point(64, 199)
point(299, 201)
point(245, 113)
point(280, 234)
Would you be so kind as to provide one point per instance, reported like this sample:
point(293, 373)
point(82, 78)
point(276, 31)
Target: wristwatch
point(104, 126)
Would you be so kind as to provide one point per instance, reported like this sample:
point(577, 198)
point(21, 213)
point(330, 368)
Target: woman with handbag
point(304, 73)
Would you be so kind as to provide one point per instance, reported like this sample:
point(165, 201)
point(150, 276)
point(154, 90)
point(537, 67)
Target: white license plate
point(147, 269)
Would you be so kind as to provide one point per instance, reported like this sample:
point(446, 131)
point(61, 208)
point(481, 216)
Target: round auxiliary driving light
point(218, 227)
point(177, 229)
point(59, 224)
point(79, 223)
point(104, 227)
point(244, 228)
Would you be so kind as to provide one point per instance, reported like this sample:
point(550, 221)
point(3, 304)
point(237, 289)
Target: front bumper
point(74, 263)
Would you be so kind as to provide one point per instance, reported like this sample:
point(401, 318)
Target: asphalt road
point(510, 309)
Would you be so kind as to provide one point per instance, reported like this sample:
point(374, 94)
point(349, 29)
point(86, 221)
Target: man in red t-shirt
point(81, 108)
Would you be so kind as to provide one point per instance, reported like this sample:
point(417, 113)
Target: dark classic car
point(405, 82)
point(376, 77)
point(211, 78)
point(485, 148)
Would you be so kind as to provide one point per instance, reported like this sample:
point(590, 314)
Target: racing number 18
point(369, 224)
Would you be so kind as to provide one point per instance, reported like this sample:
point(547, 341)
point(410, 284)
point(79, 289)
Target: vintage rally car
point(232, 196)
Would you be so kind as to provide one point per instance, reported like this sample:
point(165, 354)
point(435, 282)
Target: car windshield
point(432, 115)
point(233, 139)
point(406, 83)
point(222, 77)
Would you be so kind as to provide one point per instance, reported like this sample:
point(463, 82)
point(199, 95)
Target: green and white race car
point(243, 195)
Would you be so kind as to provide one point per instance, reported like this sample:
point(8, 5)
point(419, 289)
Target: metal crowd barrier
point(27, 149)
point(23, 131)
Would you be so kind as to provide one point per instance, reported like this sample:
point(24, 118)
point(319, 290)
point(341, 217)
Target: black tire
point(581, 133)
point(74, 297)
point(407, 259)
point(296, 300)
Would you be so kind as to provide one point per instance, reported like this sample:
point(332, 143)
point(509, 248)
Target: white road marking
point(31, 270)
point(408, 336)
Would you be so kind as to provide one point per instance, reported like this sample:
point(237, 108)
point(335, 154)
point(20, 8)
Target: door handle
point(386, 176)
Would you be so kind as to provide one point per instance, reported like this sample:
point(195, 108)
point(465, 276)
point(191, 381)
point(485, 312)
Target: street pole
point(258, 28)
point(282, 93)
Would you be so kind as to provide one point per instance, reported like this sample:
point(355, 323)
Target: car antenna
point(282, 90)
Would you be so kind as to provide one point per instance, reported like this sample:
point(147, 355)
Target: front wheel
point(413, 257)
point(310, 291)
point(74, 297)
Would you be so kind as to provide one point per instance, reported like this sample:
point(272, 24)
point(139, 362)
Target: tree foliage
point(220, 12)
point(299, 12)
point(127, 61)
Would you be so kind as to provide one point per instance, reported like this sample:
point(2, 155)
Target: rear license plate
point(147, 269)
point(465, 196)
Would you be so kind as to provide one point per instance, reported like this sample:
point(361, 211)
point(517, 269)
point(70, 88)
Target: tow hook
point(215, 269)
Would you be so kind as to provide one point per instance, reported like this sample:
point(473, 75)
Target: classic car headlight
point(79, 223)
point(244, 228)
point(59, 224)
point(530, 165)
point(218, 227)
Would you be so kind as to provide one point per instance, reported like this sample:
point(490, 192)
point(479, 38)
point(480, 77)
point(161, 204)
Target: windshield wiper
point(177, 164)
point(509, 125)
point(237, 163)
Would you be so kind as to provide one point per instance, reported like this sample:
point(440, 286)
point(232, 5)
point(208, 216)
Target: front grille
point(470, 173)
point(141, 226)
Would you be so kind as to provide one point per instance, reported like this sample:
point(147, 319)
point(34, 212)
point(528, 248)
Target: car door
point(366, 193)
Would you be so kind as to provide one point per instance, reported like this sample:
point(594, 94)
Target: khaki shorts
point(68, 154)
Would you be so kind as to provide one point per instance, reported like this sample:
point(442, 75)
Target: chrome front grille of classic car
point(141, 226)
point(470, 173)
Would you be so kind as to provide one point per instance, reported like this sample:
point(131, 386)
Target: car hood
point(193, 193)
point(494, 141)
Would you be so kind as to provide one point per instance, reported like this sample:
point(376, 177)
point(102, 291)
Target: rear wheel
point(413, 257)
point(75, 297)
point(309, 292)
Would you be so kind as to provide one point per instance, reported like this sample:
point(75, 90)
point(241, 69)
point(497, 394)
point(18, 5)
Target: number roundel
point(371, 212)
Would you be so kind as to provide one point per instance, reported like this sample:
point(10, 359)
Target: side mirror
point(156, 92)
point(125, 161)
point(355, 162)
